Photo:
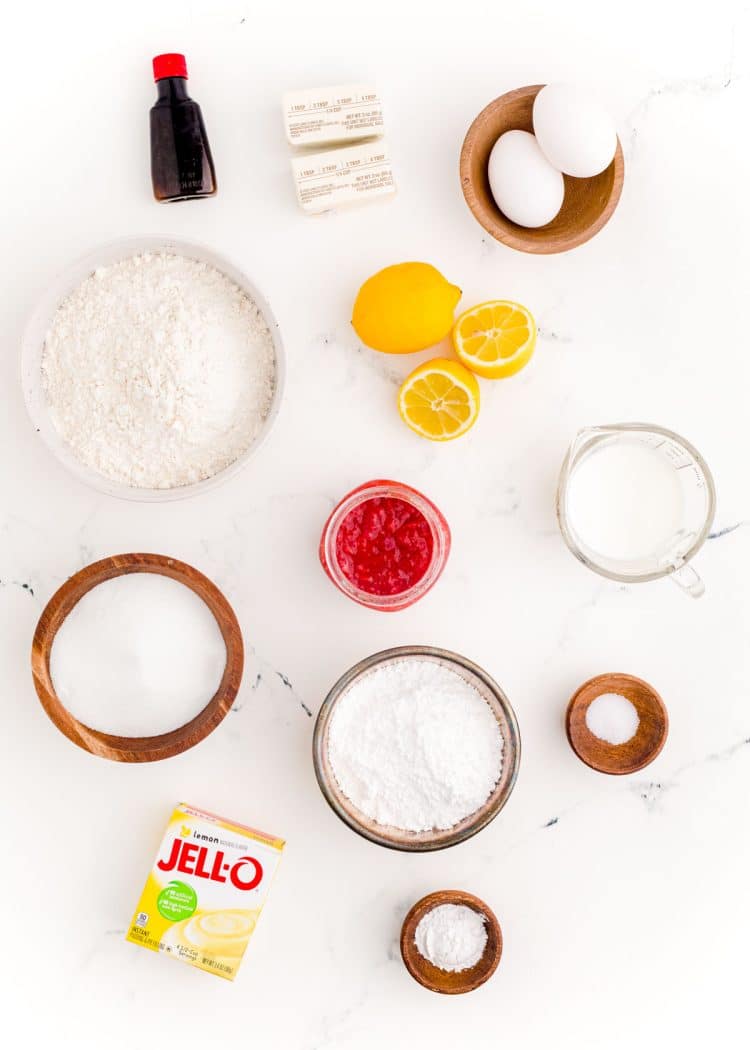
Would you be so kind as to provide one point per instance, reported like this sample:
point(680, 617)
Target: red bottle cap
point(171, 65)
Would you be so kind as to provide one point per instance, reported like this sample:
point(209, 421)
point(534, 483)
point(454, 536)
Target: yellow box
point(205, 891)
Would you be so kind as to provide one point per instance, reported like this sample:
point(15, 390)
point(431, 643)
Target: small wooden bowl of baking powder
point(147, 748)
point(444, 981)
point(633, 754)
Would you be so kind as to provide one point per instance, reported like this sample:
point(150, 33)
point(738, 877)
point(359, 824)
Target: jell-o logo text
point(245, 873)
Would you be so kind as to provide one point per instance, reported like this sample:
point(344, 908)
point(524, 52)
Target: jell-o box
point(205, 891)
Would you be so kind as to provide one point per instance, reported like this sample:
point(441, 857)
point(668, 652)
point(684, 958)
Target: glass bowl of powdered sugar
point(153, 369)
point(416, 748)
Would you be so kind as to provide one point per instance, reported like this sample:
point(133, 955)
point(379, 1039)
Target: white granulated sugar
point(138, 655)
point(158, 371)
point(451, 937)
point(413, 745)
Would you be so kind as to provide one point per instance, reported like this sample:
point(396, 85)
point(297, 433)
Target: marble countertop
point(623, 901)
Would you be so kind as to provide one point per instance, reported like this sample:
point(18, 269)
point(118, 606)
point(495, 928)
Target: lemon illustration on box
point(206, 889)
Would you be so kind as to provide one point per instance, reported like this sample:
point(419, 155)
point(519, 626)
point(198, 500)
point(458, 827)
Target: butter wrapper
point(205, 891)
point(339, 177)
point(332, 115)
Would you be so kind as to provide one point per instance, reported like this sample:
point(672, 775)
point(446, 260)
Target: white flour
point(451, 937)
point(158, 370)
point(138, 655)
point(413, 745)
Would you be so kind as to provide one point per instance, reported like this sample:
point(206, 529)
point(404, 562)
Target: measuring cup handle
point(688, 580)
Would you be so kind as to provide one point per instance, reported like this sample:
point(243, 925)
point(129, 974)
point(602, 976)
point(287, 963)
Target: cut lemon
point(439, 400)
point(495, 339)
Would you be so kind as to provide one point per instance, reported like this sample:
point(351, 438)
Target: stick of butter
point(332, 115)
point(338, 177)
point(204, 894)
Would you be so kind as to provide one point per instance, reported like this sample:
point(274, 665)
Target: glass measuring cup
point(692, 481)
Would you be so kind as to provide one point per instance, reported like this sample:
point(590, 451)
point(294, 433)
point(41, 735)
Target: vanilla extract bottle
point(182, 167)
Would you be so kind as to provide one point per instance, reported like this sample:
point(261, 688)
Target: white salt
point(451, 937)
point(138, 655)
point(612, 718)
point(625, 502)
point(415, 746)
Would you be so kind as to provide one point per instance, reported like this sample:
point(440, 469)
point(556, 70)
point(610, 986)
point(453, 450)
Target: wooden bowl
point(147, 748)
point(433, 978)
point(588, 203)
point(397, 838)
point(635, 753)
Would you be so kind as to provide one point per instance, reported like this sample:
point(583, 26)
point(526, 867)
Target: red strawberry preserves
point(384, 545)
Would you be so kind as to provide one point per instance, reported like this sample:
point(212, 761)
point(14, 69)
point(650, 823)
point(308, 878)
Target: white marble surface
point(624, 902)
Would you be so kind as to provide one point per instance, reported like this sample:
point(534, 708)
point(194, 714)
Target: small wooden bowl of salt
point(454, 928)
point(216, 665)
point(616, 723)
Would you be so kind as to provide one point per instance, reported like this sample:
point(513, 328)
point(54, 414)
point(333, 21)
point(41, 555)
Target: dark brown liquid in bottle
point(182, 168)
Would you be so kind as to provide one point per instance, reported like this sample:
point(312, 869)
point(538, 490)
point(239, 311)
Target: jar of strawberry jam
point(385, 545)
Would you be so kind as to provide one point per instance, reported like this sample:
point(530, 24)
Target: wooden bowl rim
point(147, 748)
point(428, 975)
point(611, 681)
point(515, 236)
point(395, 838)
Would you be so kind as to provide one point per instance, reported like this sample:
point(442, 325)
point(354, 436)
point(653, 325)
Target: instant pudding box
point(206, 889)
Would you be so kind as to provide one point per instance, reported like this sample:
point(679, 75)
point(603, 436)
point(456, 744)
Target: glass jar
point(439, 530)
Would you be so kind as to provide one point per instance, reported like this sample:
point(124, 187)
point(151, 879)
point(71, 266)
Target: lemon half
point(439, 400)
point(495, 339)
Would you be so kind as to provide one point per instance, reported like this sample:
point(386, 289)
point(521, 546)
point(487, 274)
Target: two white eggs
point(574, 135)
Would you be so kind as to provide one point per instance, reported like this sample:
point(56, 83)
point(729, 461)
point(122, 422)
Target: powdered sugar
point(413, 745)
point(158, 371)
point(451, 937)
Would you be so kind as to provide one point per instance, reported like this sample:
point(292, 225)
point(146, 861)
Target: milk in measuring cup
point(625, 501)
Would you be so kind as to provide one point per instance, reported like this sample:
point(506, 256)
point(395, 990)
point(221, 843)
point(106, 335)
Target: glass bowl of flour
point(153, 369)
point(416, 748)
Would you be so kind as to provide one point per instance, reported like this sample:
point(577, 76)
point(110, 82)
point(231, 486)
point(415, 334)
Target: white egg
point(526, 188)
point(575, 133)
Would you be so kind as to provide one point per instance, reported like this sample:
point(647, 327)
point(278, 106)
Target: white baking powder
point(612, 718)
point(413, 745)
point(138, 655)
point(451, 937)
point(158, 371)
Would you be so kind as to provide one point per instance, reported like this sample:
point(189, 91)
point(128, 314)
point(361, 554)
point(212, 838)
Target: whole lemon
point(404, 308)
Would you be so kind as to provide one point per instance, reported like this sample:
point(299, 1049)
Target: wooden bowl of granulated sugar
point(451, 942)
point(416, 748)
point(149, 611)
